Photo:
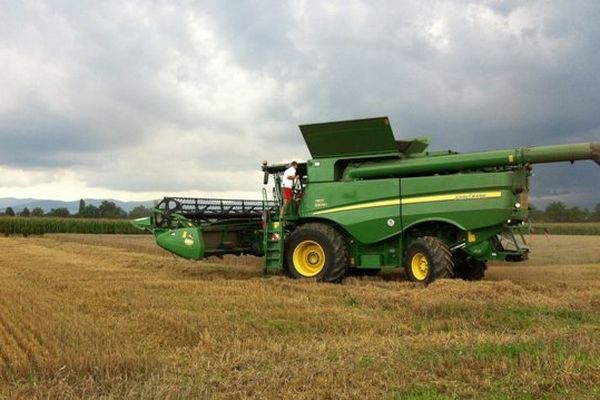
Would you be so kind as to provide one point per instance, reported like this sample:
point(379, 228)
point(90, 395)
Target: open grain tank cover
point(371, 136)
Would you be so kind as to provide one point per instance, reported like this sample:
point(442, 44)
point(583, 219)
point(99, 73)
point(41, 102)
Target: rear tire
point(316, 251)
point(428, 259)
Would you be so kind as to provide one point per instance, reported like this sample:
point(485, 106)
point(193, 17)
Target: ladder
point(274, 237)
point(273, 240)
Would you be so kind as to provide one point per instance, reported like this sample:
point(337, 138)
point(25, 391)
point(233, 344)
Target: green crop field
point(41, 225)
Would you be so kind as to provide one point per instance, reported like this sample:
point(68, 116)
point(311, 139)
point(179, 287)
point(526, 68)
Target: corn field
point(40, 225)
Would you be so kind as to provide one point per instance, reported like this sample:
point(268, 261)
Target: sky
point(135, 100)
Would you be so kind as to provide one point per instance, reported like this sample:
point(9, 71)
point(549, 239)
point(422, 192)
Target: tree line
point(106, 209)
point(560, 212)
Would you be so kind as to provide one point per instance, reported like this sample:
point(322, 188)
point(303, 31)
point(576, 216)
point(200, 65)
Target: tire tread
point(440, 255)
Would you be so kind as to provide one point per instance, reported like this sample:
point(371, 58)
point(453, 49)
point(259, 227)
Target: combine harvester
point(368, 202)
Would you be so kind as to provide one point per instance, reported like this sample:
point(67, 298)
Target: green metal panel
point(383, 254)
point(368, 210)
point(350, 205)
point(469, 201)
point(350, 138)
point(321, 170)
point(370, 260)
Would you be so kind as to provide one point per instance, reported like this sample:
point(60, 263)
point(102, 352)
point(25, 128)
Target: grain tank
point(367, 202)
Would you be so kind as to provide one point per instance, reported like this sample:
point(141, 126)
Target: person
point(287, 184)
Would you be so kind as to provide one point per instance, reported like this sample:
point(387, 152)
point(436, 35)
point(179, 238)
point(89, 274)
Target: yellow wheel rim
point(419, 266)
point(308, 258)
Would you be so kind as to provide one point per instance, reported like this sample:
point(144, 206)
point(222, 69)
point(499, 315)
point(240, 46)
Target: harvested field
point(115, 317)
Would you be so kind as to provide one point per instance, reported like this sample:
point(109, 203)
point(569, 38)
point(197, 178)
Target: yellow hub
point(308, 258)
point(419, 265)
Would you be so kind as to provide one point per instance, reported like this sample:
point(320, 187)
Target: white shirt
point(286, 182)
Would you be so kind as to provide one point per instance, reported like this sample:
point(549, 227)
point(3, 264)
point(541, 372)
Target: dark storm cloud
point(215, 87)
point(21, 132)
point(571, 184)
point(475, 77)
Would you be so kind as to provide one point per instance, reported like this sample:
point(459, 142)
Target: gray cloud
point(129, 95)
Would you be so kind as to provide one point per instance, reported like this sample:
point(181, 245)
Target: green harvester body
point(366, 202)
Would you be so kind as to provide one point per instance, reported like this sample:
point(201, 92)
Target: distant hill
point(73, 206)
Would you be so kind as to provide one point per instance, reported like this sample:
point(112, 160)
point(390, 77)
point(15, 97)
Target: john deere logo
point(188, 238)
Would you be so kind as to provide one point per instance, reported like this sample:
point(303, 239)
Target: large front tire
point(428, 259)
point(316, 251)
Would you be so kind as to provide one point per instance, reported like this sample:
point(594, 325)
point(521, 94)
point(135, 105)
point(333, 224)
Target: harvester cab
point(368, 202)
point(276, 171)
